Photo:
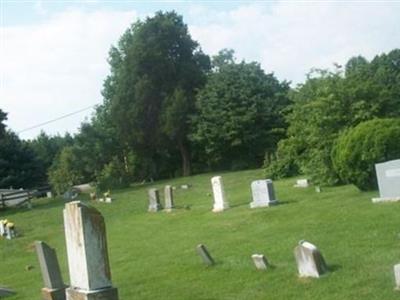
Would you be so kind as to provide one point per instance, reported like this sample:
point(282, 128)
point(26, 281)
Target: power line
point(56, 119)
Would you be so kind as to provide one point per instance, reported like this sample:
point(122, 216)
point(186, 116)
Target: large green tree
point(239, 114)
point(156, 69)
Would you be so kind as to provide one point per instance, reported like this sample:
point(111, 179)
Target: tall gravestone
point(388, 176)
point(89, 269)
point(154, 200)
point(220, 202)
point(54, 288)
point(169, 198)
point(263, 193)
point(310, 262)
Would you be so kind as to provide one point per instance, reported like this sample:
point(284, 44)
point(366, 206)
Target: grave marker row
point(309, 260)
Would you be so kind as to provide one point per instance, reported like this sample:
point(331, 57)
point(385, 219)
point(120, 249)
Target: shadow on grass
point(333, 268)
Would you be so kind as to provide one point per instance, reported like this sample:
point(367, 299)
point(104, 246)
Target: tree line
point(171, 110)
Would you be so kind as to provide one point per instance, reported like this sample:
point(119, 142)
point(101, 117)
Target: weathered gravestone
point(154, 200)
point(310, 262)
point(263, 193)
point(88, 263)
point(169, 198)
point(397, 276)
point(260, 261)
point(301, 183)
point(388, 175)
point(54, 288)
point(220, 202)
point(205, 255)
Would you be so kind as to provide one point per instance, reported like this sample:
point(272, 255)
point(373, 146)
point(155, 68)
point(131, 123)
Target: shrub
point(114, 175)
point(358, 149)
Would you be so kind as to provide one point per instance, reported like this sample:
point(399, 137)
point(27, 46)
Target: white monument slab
point(154, 200)
point(397, 276)
point(260, 261)
point(388, 176)
point(220, 202)
point(263, 193)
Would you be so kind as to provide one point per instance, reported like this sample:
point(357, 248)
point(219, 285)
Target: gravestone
point(154, 200)
point(54, 288)
point(397, 276)
point(88, 263)
point(169, 198)
point(388, 176)
point(220, 202)
point(263, 193)
point(260, 261)
point(301, 183)
point(310, 262)
point(205, 255)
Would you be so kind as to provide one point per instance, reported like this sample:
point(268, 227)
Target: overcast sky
point(54, 53)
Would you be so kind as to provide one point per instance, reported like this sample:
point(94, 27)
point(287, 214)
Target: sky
point(53, 54)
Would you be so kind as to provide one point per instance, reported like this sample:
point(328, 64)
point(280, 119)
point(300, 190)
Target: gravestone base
point(219, 209)
point(385, 199)
point(53, 294)
point(263, 204)
point(103, 294)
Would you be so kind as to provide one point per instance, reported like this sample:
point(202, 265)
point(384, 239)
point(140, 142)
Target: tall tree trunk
point(186, 167)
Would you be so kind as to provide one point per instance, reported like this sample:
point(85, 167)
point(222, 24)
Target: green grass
point(153, 254)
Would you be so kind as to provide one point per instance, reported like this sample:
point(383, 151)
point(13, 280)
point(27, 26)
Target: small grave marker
point(302, 183)
point(310, 262)
point(205, 255)
point(260, 261)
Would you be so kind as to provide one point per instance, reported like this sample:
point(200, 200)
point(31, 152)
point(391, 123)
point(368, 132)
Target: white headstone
point(301, 183)
point(310, 262)
point(260, 261)
point(87, 253)
point(263, 193)
point(388, 176)
point(220, 202)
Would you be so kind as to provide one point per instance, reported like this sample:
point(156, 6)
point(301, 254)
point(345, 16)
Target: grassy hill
point(153, 255)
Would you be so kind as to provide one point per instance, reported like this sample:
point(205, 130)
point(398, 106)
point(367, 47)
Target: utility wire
point(56, 119)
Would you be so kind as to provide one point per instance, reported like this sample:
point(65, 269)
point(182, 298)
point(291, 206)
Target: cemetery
point(308, 245)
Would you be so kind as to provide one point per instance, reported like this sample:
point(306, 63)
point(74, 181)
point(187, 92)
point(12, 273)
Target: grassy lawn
point(153, 255)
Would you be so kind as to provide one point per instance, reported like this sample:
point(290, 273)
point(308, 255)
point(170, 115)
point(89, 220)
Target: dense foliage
point(330, 102)
point(239, 115)
point(358, 149)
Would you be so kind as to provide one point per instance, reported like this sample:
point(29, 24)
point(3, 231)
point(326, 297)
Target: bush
point(358, 149)
point(282, 164)
point(114, 175)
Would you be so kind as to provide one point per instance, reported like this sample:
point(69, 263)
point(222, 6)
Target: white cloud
point(291, 38)
point(57, 67)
